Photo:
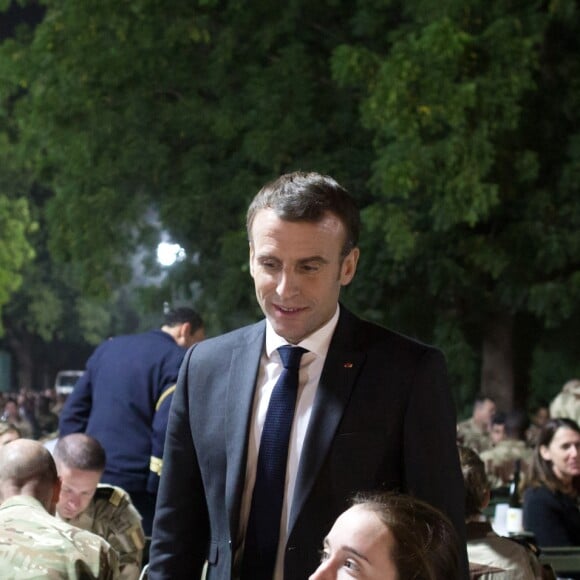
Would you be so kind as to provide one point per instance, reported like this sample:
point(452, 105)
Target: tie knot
point(291, 355)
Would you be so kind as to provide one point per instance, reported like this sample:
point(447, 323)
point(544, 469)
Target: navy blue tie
point(263, 531)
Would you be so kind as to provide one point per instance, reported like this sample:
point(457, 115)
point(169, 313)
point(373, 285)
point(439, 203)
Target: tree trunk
point(497, 368)
point(22, 350)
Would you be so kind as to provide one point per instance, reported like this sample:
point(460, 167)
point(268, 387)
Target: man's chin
point(66, 515)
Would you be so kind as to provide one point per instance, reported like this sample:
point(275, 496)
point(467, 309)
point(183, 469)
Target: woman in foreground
point(389, 537)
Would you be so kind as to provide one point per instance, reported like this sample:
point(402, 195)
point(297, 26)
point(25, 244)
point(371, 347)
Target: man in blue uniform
point(122, 400)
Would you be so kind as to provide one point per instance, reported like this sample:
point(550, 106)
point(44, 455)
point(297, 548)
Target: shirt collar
point(25, 500)
point(317, 342)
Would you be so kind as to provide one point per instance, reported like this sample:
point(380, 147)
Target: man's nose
point(287, 284)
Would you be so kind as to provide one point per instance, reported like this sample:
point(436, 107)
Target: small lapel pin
point(348, 365)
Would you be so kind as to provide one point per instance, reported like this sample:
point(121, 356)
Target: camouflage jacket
point(34, 544)
point(112, 516)
point(500, 461)
point(567, 402)
point(469, 434)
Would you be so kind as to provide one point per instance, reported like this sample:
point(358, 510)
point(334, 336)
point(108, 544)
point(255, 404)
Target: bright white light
point(168, 254)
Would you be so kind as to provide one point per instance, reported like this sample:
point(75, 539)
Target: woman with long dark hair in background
point(551, 502)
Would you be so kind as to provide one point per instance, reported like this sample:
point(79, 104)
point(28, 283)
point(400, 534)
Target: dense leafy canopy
point(455, 124)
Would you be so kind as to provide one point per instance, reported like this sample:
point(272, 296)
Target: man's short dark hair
point(499, 418)
point(181, 315)
point(307, 197)
point(80, 451)
point(482, 398)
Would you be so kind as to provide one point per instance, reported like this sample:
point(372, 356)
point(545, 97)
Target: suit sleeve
point(432, 469)
point(181, 524)
point(74, 416)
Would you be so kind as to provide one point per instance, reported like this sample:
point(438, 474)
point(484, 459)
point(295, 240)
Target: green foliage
point(175, 107)
point(94, 320)
point(455, 124)
point(15, 249)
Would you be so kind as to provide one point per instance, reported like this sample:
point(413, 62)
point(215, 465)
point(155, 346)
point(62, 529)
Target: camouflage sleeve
point(120, 525)
point(99, 559)
point(109, 564)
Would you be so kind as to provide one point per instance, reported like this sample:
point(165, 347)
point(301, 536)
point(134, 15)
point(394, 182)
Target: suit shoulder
point(374, 336)
point(243, 335)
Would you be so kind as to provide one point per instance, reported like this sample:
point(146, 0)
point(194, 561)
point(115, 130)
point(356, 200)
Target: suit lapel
point(341, 368)
point(244, 366)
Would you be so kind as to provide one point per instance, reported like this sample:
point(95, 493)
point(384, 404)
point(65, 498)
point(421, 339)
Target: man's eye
point(309, 268)
point(324, 555)
point(351, 565)
point(269, 265)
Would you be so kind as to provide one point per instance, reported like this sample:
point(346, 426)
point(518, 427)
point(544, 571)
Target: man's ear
point(348, 267)
point(55, 495)
point(185, 329)
point(251, 258)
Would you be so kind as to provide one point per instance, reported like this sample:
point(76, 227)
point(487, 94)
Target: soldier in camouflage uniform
point(474, 432)
point(105, 510)
point(490, 556)
point(567, 402)
point(500, 461)
point(8, 433)
point(33, 543)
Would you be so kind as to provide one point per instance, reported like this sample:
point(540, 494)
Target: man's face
point(11, 410)
point(298, 271)
point(497, 433)
point(485, 412)
point(542, 416)
point(77, 490)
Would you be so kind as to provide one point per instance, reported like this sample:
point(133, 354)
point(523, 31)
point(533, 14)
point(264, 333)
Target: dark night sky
point(16, 14)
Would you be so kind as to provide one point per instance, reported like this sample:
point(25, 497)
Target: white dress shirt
point(270, 369)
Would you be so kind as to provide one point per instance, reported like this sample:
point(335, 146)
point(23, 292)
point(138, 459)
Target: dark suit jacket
point(382, 419)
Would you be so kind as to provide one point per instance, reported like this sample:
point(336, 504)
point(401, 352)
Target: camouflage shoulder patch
point(110, 493)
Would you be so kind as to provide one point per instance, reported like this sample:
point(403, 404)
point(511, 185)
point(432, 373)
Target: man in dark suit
point(373, 409)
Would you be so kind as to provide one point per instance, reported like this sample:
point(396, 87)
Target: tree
point(16, 223)
point(474, 111)
point(454, 123)
point(49, 325)
point(181, 110)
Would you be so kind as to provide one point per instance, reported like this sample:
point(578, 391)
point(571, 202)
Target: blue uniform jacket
point(122, 400)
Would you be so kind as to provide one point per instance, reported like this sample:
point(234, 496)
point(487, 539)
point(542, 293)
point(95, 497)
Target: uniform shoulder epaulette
point(109, 493)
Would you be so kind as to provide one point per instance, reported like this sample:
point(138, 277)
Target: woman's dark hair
point(426, 543)
point(542, 470)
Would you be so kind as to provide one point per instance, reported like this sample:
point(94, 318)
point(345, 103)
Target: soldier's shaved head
point(27, 468)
